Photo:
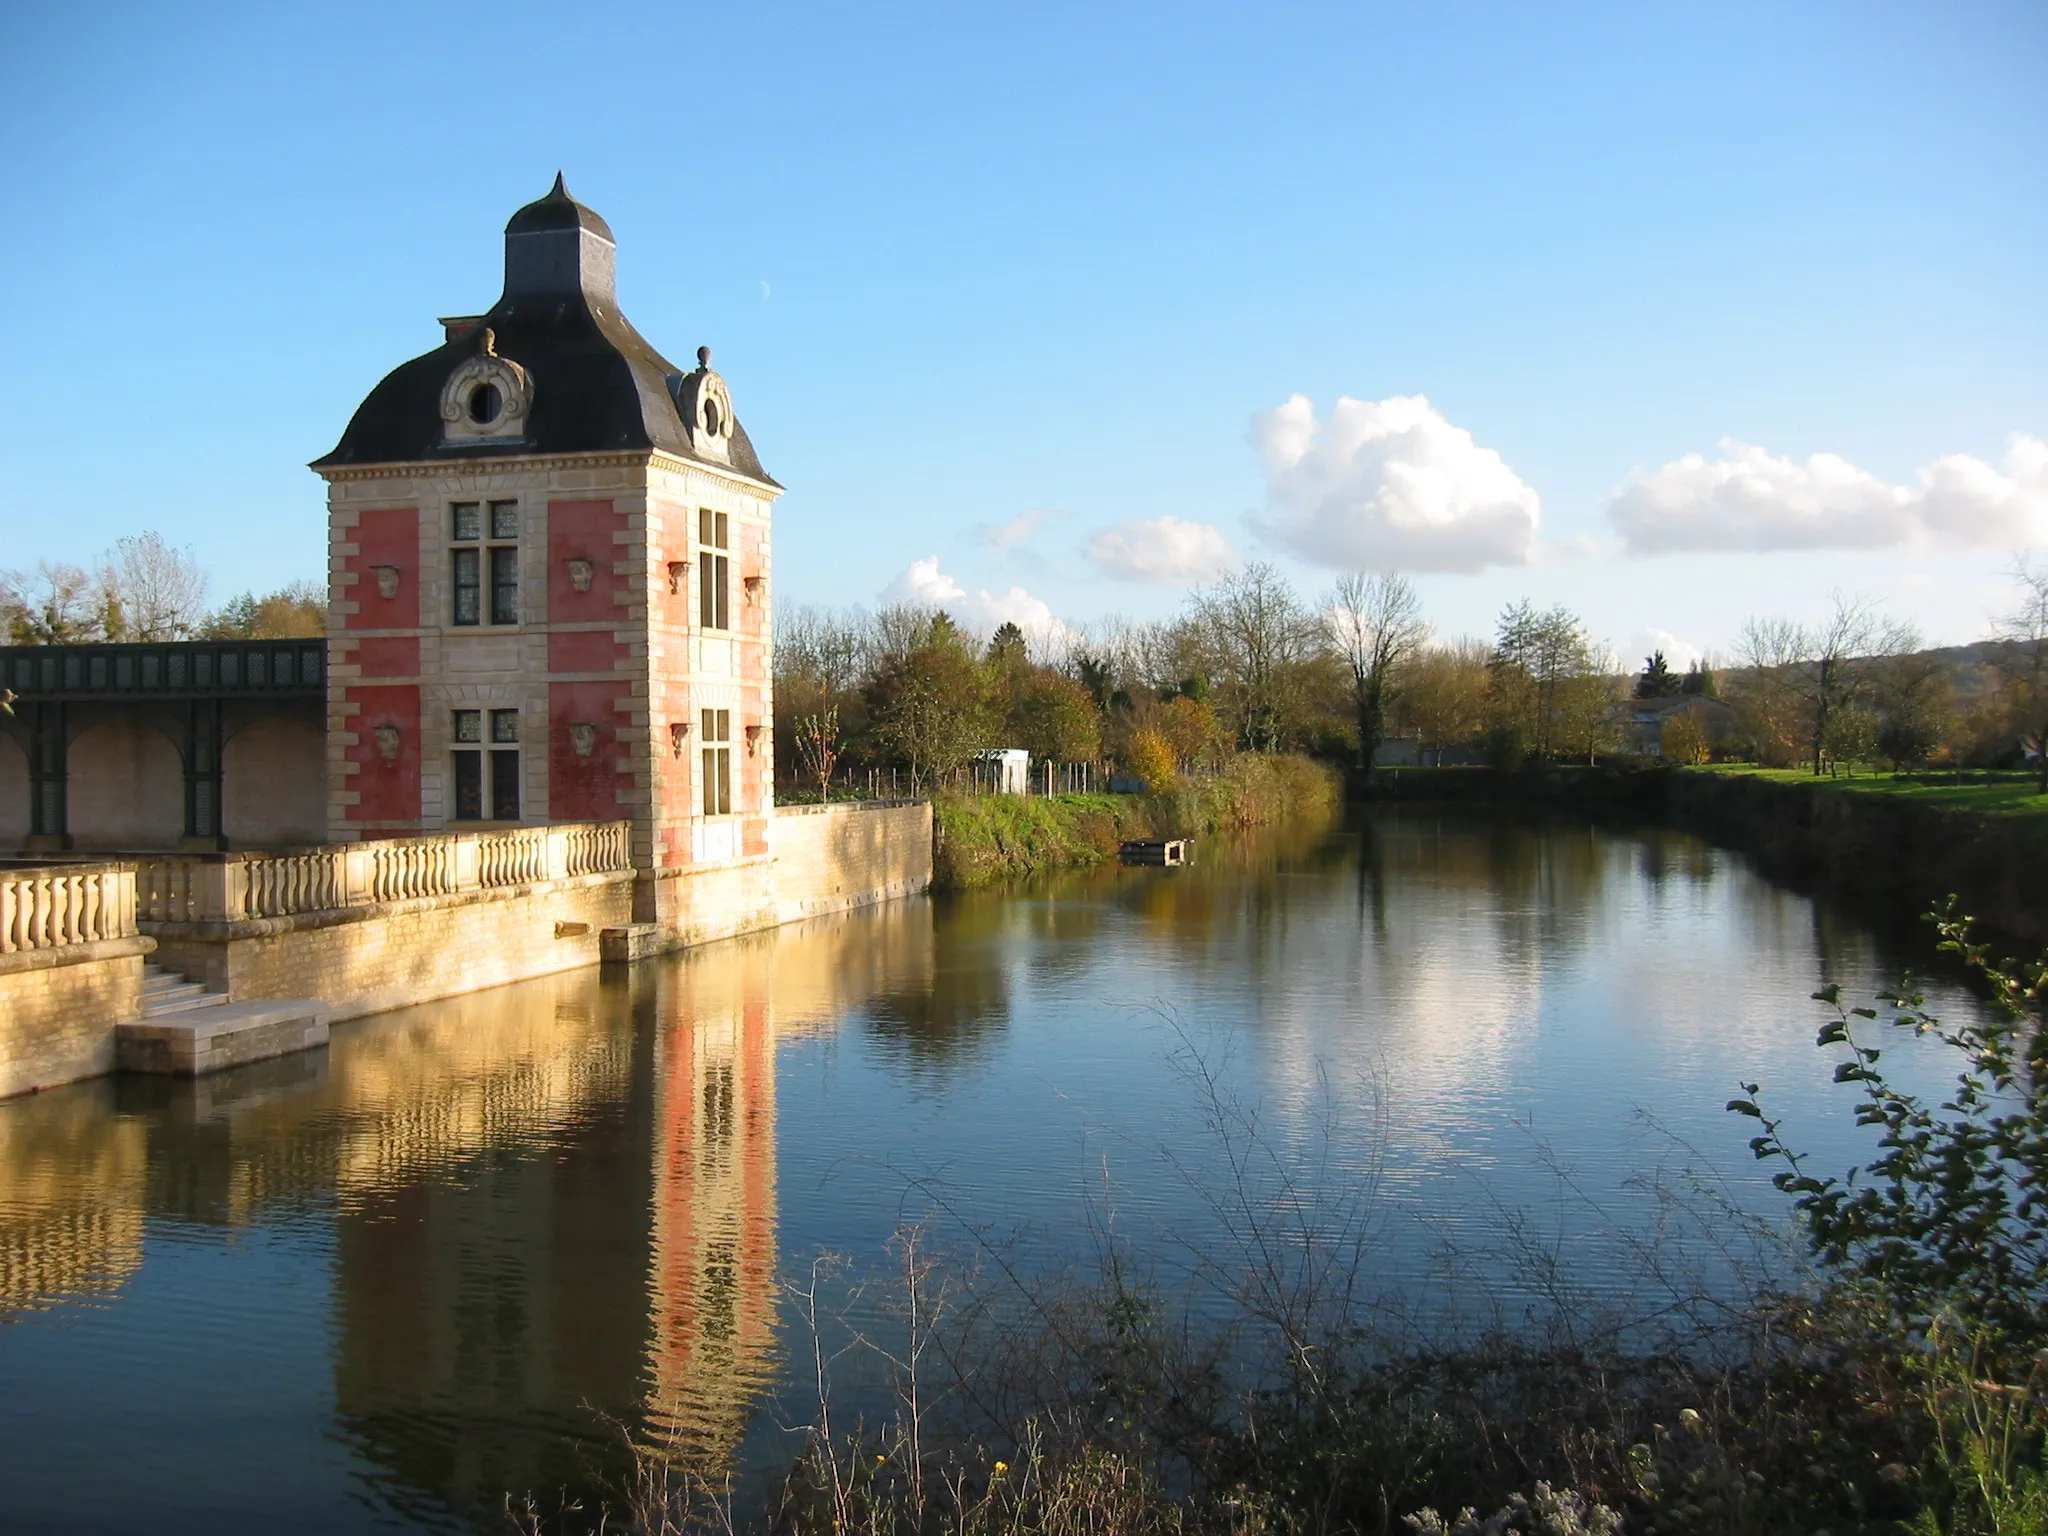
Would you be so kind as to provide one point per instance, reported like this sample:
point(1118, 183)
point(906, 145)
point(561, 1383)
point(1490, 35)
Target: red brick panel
point(582, 530)
point(386, 536)
point(387, 791)
point(583, 650)
point(389, 656)
point(585, 788)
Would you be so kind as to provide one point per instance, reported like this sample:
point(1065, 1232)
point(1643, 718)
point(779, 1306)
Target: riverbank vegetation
point(905, 697)
point(983, 838)
point(1880, 1366)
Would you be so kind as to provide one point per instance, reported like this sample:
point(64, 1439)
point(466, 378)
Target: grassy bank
point(985, 838)
point(1979, 792)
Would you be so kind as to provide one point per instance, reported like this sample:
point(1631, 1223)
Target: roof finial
point(704, 358)
point(561, 188)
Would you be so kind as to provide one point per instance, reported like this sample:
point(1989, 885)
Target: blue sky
point(964, 263)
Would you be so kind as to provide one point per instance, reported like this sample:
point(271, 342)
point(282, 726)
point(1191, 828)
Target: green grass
point(1983, 792)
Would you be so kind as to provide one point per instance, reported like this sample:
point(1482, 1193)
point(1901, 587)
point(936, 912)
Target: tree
point(817, 747)
point(2023, 630)
point(1699, 681)
point(1686, 737)
point(1656, 680)
point(1548, 689)
point(1801, 678)
point(153, 592)
point(57, 604)
point(295, 612)
point(1151, 760)
point(1443, 690)
point(1055, 721)
point(1258, 631)
point(929, 706)
point(1189, 726)
point(1374, 620)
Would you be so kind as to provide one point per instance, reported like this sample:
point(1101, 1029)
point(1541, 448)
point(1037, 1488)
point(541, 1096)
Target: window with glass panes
point(713, 570)
point(486, 772)
point(483, 561)
point(717, 738)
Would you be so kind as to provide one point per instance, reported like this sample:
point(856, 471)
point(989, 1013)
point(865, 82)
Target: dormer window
point(485, 398)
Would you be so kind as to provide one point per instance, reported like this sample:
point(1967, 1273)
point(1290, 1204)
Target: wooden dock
point(1168, 852)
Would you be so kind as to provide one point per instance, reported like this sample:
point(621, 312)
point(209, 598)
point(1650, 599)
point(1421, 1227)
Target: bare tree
point(1375, 623)
point(2023, 629)
point(1802, 678)
point(153, 592)
point(1259, 631)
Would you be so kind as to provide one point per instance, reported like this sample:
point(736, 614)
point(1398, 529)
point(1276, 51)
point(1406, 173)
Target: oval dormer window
point(711, 417)
point(485, 402)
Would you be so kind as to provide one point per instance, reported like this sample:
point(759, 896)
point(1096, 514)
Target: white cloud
point(1167, 550)
point(1678, 654)
point(1389, 484)
point(1016, 530)
point(1750, 500)
point(929, 587)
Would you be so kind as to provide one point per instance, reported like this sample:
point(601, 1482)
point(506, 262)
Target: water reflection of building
point(71, 1200)
point(551, 1207)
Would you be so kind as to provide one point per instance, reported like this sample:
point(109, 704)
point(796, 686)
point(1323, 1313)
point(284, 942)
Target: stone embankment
point(1889, 858)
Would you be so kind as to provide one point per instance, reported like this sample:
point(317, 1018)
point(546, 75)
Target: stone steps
point(165, 992)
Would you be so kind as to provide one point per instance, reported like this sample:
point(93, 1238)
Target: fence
point(184, 888)
point(977, 778)
point(49, 907)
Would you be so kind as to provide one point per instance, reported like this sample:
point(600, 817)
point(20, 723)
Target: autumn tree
point(56, 604)
point(1686, 737)
point(1374, 621)
point(929, 707)
point(1442, 697)
point(294, 612)
point(1055, 720)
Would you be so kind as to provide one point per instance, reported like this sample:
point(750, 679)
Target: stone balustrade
point(232, 887)
point(54, 906)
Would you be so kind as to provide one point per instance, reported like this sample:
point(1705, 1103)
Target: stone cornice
point(528, 463)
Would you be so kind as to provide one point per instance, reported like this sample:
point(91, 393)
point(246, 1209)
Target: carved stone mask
point(579, 574)
point(678, 737)
point(387, 580)
point(583, 738)
point(387, 742)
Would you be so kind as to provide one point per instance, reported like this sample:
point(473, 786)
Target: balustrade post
point(357, 867)
point(467, 874)
point(558, 851)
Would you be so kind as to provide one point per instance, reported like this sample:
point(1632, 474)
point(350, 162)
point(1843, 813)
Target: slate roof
point(598, 384)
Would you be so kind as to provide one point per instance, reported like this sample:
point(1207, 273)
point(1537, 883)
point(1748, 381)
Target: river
point(381, 1286)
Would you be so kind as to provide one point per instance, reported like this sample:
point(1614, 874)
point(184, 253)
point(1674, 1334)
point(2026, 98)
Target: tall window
point(713, 570)
point(474, 560)
point(717, 724)
point(486, 774)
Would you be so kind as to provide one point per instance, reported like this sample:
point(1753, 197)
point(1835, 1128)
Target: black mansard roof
point(596, 383)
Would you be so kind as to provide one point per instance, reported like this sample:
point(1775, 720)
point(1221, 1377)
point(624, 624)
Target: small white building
point(1004, 770)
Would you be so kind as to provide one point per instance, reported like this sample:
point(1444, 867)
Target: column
point(202, 777)
point(49, 771)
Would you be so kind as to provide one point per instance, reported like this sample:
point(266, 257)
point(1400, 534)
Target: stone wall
point(70, 969)
point(829, 858)
point(365, 959)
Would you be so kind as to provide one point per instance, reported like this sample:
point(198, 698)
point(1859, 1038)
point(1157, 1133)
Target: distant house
point(1643, 731)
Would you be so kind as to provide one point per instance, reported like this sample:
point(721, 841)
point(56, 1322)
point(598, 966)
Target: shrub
point(1151, 760)
point(1686, 738)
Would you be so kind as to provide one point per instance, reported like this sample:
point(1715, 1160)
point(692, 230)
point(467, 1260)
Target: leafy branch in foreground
point(1951, 1217)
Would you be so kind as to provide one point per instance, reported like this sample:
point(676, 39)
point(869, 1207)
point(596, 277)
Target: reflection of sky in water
point(373, 1289)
